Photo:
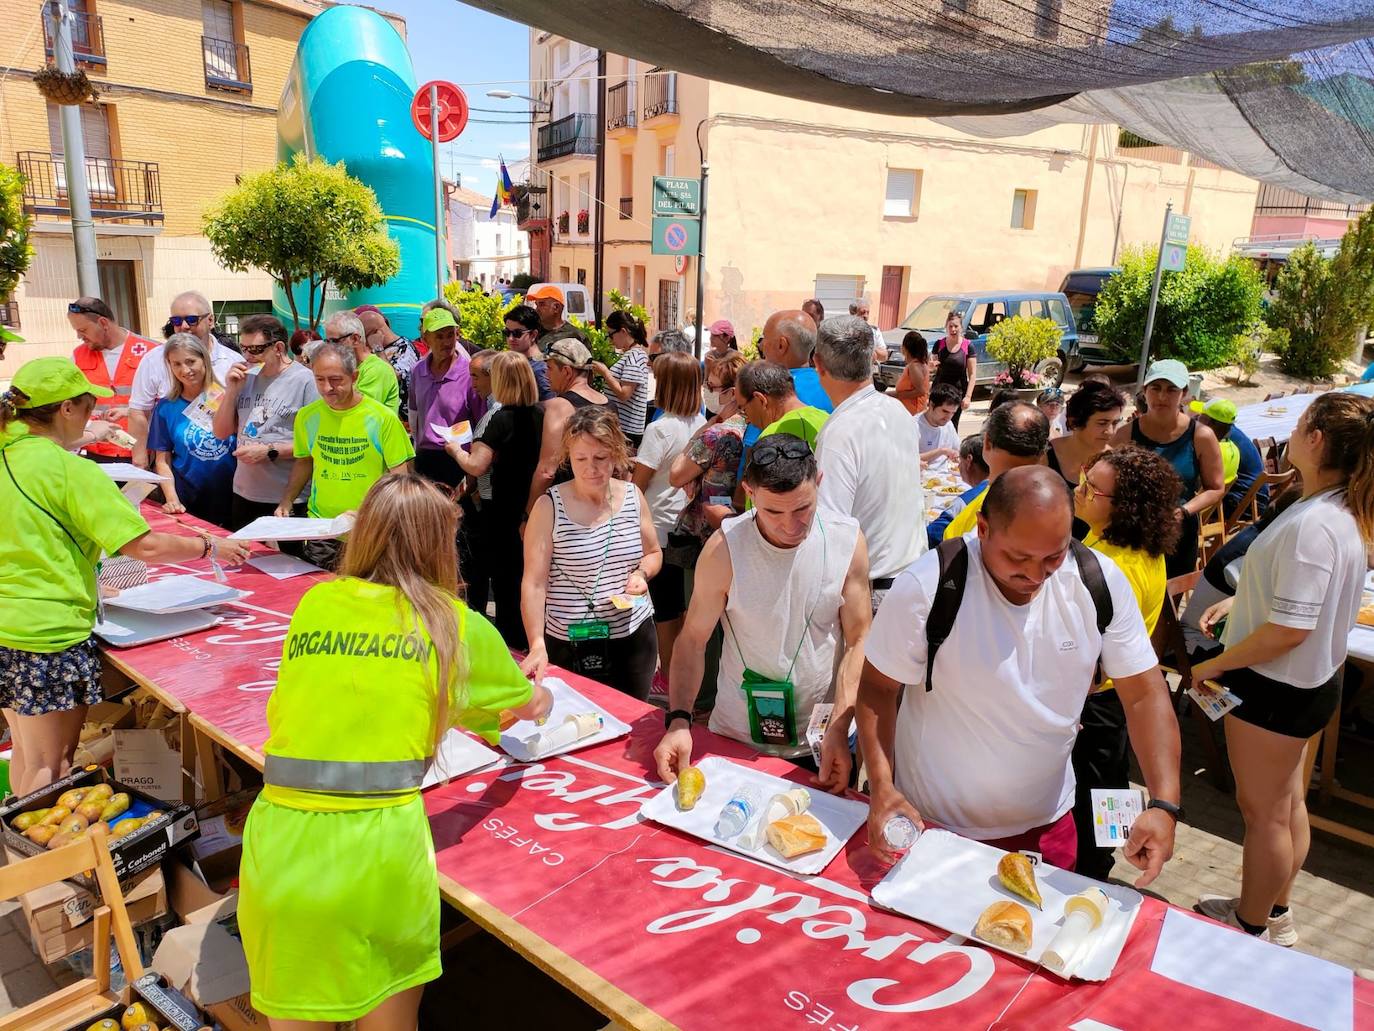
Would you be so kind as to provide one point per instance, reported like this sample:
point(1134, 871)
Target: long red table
point(655, 928)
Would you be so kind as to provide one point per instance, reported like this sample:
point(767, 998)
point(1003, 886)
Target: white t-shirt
point(987, 752)
point(153, 380)
point(1305, 570)
point(112, 356)
point(664, 439)
point(869, 452)
point(937, 436)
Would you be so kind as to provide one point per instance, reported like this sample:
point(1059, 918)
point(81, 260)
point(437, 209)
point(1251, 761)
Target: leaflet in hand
point(458, 433)
point(276, 528)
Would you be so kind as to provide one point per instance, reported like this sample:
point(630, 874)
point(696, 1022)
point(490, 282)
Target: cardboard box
point(176, 1012)
point(57, 914)
point(190, 887)
point(149, 760)
point(97, 744)
point(133, 853)
point(205, 960)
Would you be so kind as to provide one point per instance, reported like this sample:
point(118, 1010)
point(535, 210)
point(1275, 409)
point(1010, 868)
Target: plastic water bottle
point(736, 813)
point(900, 833)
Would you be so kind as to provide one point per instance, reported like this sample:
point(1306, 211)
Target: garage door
point(837, 293)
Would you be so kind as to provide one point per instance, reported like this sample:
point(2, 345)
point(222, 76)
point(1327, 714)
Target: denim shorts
point(35, 683)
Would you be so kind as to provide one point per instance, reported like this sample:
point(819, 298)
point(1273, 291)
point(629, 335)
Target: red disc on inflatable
point(453, 110)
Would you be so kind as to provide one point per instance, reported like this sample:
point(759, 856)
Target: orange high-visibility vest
point(92, 365)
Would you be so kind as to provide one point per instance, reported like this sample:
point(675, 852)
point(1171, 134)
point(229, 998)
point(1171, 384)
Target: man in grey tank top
point(789, 584)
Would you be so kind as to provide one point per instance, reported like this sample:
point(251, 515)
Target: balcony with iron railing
point(120, 190)
point(627, 207)
point(226, 65)
point(621, 116)
point(1280, 200)
point(571, 136)
point(88, 37)
point(660, 97)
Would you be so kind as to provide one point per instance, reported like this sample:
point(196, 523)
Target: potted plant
point(584, 221)
point(65, 87)
point(1029, 348)
point(563, 222)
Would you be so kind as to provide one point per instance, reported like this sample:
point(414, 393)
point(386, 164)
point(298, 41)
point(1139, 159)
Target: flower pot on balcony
point(65, 87)
point(584, 222)
point(563, 222)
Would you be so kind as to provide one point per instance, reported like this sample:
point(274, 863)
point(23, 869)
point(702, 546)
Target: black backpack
point(949, 594)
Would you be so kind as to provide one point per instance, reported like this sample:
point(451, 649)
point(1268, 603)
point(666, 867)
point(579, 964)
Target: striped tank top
point(588, 564)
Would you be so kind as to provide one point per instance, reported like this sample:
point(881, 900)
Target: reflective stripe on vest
point(344, 778)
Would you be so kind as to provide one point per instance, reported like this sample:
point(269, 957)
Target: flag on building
point(503, 191)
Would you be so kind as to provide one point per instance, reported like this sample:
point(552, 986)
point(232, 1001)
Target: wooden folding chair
point(1172, 651)
point(1247, 511)
point(1211, 533)
point(1274, 396)
point(83, 1001)
point(1265, 446)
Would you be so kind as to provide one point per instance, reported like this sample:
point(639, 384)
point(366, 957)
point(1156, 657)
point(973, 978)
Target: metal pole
point(1154, 299)
point(701, 253)
point(599, 227)
point(74, 156)
point(439, 259)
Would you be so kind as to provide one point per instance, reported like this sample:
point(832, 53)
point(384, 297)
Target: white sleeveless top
point(772, 593)
point(591, 563)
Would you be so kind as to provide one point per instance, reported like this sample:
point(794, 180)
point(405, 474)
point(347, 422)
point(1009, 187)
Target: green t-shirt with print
point(377, 380)
point(351, 450)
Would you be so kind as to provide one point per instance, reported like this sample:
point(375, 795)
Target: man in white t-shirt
point(939, 435)
point(191, 313)
point(788, 581)
point(869, 452)
point(985, 751)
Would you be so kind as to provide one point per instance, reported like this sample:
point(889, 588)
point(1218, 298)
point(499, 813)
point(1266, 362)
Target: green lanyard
point(806, 627)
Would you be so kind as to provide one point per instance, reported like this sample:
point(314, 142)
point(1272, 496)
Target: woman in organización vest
point(339, 894)
point(62, 513)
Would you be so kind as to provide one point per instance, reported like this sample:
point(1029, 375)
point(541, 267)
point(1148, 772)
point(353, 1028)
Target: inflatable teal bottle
point(347, 98)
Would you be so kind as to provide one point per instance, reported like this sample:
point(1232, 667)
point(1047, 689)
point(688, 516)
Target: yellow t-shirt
point(357, 685)
point(967, 519)
point(48, 579)
point(1146, 575)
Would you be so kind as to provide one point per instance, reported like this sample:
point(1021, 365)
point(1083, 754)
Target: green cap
point(1171, 370)
point(1219, 409)
point(437, 318)
point(46, 381)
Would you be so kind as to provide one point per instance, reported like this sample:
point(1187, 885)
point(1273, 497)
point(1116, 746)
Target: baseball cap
point(1171, 370)
point(437, 318)
point(546, 292)
point(1219, 409)
point(722, 327)
point(45, 381)
point(570, 350)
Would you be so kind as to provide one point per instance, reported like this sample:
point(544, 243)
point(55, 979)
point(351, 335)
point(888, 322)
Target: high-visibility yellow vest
point(352, 718)
point(1230, 462)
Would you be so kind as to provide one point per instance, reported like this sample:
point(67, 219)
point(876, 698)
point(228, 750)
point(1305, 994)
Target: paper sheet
point(459, 433)
point(1293, 985)
point(125, 472)
point(174, 594)
point(457, 756)
point(273, 528)
point(282, 567)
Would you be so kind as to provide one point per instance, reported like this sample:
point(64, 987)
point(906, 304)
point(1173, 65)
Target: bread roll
point(796, 835)
point(1007, 925)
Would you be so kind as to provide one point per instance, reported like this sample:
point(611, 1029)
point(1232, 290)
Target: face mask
point(712, 398)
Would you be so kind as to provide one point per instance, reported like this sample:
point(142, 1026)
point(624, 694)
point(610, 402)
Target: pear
point(1017, 875)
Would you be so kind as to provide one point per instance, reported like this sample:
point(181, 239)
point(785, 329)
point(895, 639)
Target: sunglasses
point(1085, 485)
point(766, 454)
point(516, 332)
point(80, 309)
point(188, 320)
point(339, 340)
point(255, 351)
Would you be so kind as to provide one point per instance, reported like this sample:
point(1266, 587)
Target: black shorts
point(1282, 708)
point(668, 592)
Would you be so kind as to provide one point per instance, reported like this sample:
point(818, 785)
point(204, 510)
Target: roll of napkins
point(573, 729)
point(1083, 915)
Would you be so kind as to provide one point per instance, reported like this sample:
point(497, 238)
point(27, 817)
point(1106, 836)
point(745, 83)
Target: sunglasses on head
point(188, 320)
point(766, 454)
point(76, 308)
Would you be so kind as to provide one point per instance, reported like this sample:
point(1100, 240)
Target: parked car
point(980, 312)
point(577, 300)
point(1081, 287)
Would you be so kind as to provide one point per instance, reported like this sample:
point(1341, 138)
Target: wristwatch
point(1176, 811)
point(675, 714)
point(272, 453)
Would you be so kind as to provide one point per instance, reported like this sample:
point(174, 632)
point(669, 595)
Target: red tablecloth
point(702, 937)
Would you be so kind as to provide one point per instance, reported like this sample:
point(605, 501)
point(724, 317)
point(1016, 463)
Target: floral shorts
point(34, 683)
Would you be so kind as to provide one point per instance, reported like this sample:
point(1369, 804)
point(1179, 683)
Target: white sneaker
point(1223, 910)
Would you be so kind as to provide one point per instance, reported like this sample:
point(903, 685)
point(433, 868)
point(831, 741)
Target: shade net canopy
point(1278, 91)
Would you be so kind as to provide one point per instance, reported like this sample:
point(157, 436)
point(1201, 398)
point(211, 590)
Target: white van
point(577, 300)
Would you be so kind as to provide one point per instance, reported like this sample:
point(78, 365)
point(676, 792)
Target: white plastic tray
point(840, 817)
point(127, 628)
point(948, 881)
point(458, 755)
point(566, 702)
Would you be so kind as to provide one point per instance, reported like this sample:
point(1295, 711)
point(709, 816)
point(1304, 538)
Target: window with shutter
point(95, 134)
point(903, 186)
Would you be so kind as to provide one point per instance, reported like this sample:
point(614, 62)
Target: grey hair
point(440, 302)
point(768, 378)
point(323, 348)
point(201, 300)
point(187, 342)
point(801, 338)
point(674, 340)
point(345, 322)
point(844, 343)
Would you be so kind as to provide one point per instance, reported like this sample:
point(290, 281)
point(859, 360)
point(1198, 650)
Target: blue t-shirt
point(1250, 468)
point(809, 392)
point(935, 532)
point(202, 464)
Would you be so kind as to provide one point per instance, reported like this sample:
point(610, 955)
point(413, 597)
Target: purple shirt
point(445, 401)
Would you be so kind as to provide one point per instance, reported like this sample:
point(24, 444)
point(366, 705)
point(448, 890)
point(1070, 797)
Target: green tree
point(1021, 343)
point(482, 315)
point(307, 223)
point(1323, 303)
point(15, 250)
point(1201, 308)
